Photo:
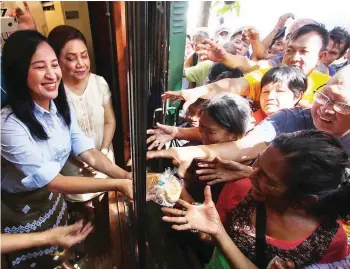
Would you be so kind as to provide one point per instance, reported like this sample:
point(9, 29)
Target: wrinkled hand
point(222, 171)
point(212, 51)
point(190, 96)
point(282, 264)
point(250, 35)
point(24, 18)
point(283, 19)
point(69, 235)
point(161, 135)
point(203, 218)
point(183, 157)
point(126, 188)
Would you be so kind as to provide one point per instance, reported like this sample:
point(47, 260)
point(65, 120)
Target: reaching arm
point(280, 24)
point(109, 125)
point(245, 64)
point(189, 61)
point(77, 185)
point(217, 53)
point(244, 149)
point(258, 50)
point(101, 163)
point(205, 218)
point(251, 35)
point(238, 86)
point(165, 133)
point(62, 236)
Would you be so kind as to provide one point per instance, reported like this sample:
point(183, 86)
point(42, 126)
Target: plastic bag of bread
point(165, 188)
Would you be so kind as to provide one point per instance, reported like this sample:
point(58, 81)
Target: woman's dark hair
point(220, 71)
point(17, 54)
point(317, 164)
point(294, 77)
point(230, 111)
point(339, 36)
point(60, 35)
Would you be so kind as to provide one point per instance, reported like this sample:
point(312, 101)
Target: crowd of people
point(264, 149)
point(261, 182)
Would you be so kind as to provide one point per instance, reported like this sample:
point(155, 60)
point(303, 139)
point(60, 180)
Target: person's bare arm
point(258, 51)
point(280, 24)
point(97, 160)
point(62, 236)
point(78, 185)
point(164, 133)
point(189, 61)
point(234, 85)
point(109, 124)
point(191, 134)
point(244, 64)
point(238, 86)
point(251, 36)
point(217, 53)
point(242, 150)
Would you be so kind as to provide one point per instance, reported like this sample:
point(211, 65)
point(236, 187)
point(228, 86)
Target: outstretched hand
point(160, 135)
point(212, 51)
point(283, 19)
point(182, 157)
point(282, 264)
point(222, 171)
point(250, 35)
point(203, 218)
point(69, 235)
point(189, 96)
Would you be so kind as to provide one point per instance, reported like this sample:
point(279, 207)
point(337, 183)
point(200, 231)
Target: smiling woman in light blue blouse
point(38, 134)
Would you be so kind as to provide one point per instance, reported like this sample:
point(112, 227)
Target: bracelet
point(105, 151)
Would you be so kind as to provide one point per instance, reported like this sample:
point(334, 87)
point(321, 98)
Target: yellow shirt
point(314, 80)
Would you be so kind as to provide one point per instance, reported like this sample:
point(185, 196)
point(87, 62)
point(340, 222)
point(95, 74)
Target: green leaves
point(221, 8)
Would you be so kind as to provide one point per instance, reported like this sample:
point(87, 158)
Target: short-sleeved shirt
point(199, 72)
point(29, 163)
point(314, 80)
point(89, 107)
point(288, 121)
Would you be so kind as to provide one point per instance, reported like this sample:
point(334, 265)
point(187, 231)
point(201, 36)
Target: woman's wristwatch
point(105, 151)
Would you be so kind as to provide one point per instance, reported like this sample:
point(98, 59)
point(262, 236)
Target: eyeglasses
point(322, 99)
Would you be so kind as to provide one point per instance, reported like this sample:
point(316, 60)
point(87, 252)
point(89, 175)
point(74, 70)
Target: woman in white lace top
point(88, 95)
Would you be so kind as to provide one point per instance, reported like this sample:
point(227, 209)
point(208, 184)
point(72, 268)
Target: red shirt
point(232, 194)
point(259, 116)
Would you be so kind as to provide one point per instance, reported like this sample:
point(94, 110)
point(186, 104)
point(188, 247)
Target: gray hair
point(230, 111)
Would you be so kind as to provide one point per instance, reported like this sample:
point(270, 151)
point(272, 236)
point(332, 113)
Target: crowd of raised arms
point(263, 149)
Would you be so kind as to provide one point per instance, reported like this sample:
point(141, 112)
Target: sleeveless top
point(309, 251)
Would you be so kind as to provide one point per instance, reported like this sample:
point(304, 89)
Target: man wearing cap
point(223, 34)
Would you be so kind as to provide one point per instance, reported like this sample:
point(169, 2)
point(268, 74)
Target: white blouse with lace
point(89, 111)
point(89, 107)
